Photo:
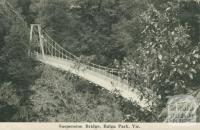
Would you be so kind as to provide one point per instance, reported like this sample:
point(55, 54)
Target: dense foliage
point(156, 41)
point(166, 61)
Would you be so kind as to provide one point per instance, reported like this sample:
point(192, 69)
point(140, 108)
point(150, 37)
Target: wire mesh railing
point(52, 48)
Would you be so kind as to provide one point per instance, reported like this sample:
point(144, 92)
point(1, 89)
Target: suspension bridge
point(44, 49)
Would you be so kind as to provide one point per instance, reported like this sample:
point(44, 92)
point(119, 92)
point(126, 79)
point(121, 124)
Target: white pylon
point(40, 36)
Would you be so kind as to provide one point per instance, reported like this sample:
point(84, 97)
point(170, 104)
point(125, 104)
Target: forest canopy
point(156, 41)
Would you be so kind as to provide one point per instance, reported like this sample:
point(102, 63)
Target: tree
point(56, 98)
point(16, 67)
point(166, 61)
point(9, 101)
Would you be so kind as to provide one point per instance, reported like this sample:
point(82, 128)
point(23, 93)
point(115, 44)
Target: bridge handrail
point(77, 58)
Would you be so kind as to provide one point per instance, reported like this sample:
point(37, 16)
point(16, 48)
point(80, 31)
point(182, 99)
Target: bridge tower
point(36, 39)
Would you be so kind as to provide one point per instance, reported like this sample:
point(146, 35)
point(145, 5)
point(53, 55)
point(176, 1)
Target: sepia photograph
point(100, 61)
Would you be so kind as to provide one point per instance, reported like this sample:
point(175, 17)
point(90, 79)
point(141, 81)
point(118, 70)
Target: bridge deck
point(95, 76)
